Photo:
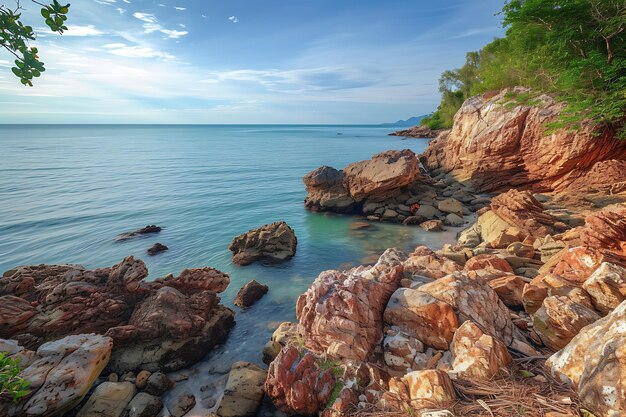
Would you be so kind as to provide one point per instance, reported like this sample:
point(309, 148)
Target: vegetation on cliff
point(575, 49)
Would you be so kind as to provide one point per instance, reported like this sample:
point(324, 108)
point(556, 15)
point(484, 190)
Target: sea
point(68, 191)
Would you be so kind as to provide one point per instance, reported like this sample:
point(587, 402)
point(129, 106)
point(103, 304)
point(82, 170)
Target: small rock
point(113, 377)
point(250, 294)
point(450, 205)
point(390, 214)
point(432, 225)
point(109, 399)
point(157, 384)
point(142, 379)
point(144, 405)
point(411, 220)
point(427, 211)
point(128, 377)
point(181, 404)
point(520, 249)
point(156, 249)
point(454, 220)
point(360, 225)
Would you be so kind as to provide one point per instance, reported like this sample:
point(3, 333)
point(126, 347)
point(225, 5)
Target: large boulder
point(275, 242)
point(60, 374)
point(244, 390)
point(593, 363)
point(607, 287)
point(495, 147)
point(359, 185)
point(341, 314)
point(250, 294)
point(108, 400)
point(169, 323)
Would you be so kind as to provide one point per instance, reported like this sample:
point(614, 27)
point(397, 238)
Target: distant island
point(411, 121)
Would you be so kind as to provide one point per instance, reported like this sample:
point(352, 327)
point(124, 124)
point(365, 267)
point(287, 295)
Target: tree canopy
point(14, 37)
point(574, 49)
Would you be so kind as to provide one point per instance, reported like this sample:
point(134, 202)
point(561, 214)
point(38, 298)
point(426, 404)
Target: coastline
point(507, 259)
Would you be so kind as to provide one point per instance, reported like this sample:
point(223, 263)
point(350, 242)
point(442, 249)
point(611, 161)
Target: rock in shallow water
point(244, 390)
point(250, 294)
point(275, 242)
point(150, 229)
point(156, 249)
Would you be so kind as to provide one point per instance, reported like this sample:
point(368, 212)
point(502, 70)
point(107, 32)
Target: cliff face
point(496, 144)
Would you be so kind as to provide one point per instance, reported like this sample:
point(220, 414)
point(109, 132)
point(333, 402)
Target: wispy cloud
point(77, 30)
point(180, 8)
point(122, 49)
point(233, 19)
point(151, 24)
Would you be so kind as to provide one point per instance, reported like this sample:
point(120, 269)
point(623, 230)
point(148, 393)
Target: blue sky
point(246, 61)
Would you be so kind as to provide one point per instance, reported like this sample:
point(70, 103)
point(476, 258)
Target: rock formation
point(274, 242)
point(420, 132)
point(168, 323)
point(495, 147)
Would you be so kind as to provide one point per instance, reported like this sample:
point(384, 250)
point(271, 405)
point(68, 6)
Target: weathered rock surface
point(477, 355)
point(495, 148)
point(244, 390)
point(607, 287)
point(296, 384)
point(250, 294)
point(108, 400)
point(285, 334)
point(168, 323)
point(423, 262)
point(143, 405)
point(419, 389)
point(181, 404)
point(381, 187)
point(275, 242)
point(341, 313)
point(559, 319)
point(60, 374)
point(593, 363)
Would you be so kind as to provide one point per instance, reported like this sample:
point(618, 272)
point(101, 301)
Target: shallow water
point(68, 191)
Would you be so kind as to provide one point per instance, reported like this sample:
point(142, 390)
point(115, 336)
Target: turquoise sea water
point(66, 192)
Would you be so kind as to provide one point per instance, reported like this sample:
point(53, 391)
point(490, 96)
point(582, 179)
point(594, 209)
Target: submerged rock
point(275, 242)
point(150, 229)
point(156, 249)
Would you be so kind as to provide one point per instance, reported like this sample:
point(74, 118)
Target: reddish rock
point(605, 230)
point(275, 242)
point(487, 261)
point(420, 132)
point(424, 262)
point(383, 176)
point(385, 172)
point(521, 209)
point(432, 225)
point(341, 313)
point(250, 294)
point(495, 148)
point(296, 384)
point(510, 290)
point(577, 264)
point(170, 322)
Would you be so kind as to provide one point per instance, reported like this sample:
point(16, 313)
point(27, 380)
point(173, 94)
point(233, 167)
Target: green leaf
point(45, 13)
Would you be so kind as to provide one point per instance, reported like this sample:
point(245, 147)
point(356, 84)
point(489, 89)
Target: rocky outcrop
point(168, 323)
point(275, 242)
point(421, 132)
point(496, 144)
point(386, 175)
point(593, 364)
point(341, 313)
point(60, 373)
point(148, 230)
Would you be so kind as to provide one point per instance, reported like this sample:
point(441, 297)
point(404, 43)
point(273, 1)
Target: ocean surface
point(67, 192)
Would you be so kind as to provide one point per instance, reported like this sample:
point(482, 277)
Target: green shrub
point(11, 384)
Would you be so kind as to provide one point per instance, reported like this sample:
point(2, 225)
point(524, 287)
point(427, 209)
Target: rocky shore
point(524, 315)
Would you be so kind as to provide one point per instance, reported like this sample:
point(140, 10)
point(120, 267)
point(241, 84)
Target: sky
point(246, 61)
